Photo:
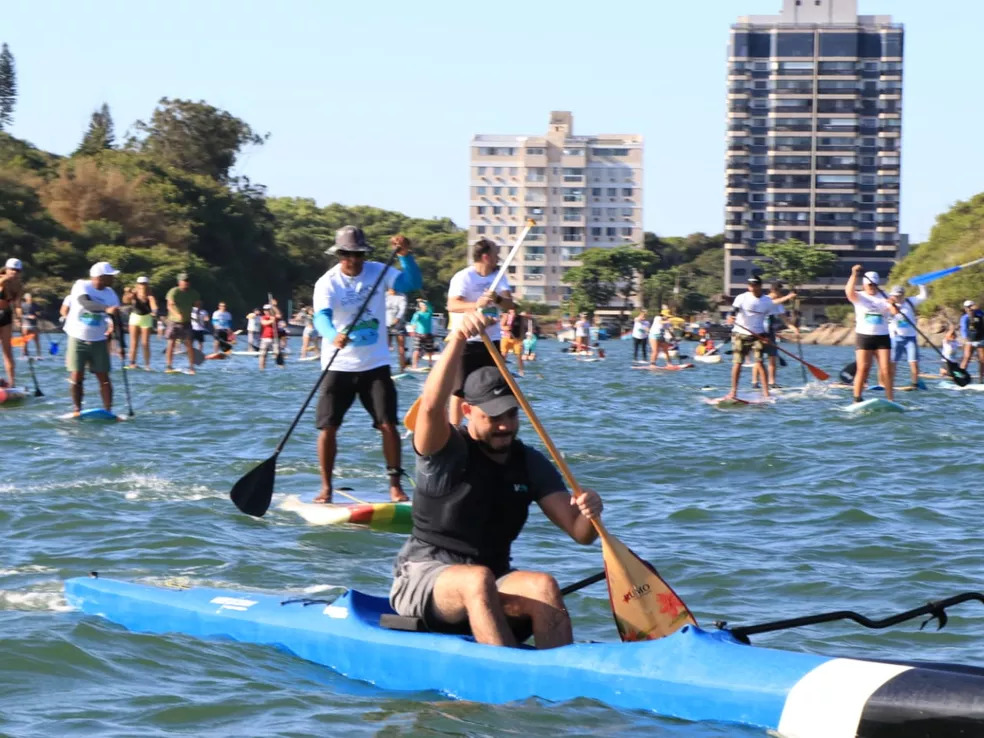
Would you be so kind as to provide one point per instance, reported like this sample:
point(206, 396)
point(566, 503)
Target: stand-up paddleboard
point(954, 386)
point(389, 517)
point(401, 375)
point(709, 359)
point(904, 388)
point(245, 353)
point(178, 371)
point(96, 414)
point(733, 402)
point(307, 358)
point(592, 358)
point(419, 369)
point(874, 405)
point(12, 395)
point(665, 367)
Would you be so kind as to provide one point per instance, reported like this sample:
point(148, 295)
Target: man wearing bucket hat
point(90, 302)
point(872, 313)
point(972, 333)
point(11, 291)
point(362, 364)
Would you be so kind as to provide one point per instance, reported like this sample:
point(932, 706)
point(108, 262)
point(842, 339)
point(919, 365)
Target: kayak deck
point(692, 675)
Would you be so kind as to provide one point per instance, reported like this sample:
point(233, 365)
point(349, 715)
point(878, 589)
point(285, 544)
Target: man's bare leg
point(391, 452)
point(327, 448)
point(537, 596)
point(468, 592)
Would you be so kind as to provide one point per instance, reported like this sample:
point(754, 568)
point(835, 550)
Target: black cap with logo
point(486, 389)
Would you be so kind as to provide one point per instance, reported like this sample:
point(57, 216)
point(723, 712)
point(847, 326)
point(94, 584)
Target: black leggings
point(638, 343)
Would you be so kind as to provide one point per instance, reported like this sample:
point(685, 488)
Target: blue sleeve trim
point(409, 279)
point(323, 324)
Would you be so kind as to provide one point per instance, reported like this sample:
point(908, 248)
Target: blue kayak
point(691, 675)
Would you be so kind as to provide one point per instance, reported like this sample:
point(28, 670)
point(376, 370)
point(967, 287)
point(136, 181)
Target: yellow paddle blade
point(410, 419)
point(645, 607)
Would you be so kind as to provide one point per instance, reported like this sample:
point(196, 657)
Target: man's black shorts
point(375, 390)
point(474, 357)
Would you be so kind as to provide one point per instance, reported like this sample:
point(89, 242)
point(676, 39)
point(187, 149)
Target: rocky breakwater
point(838, 334)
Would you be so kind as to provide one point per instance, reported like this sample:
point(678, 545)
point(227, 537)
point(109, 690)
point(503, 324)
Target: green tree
point(8, 87)
point(195, 137)
point(794, 262)
point(605, 274)
point(956, 238)
point(100, 135)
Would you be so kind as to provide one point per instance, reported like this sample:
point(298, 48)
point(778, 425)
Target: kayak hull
point(692, 675)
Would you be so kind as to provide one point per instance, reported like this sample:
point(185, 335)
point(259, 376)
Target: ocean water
point(752, 515)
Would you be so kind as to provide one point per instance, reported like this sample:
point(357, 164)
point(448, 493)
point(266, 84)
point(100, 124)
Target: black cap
point(754, 280)
point(349, 238)
point(487, 389)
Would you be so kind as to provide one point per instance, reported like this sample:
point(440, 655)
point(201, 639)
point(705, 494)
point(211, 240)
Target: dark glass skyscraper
point(814, 139)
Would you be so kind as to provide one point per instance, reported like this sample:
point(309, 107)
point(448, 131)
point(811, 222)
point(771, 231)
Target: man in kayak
point(972, 333)
point(474, 489)
point(469, 291)
point(90, 302)
point(362, 366)
point(748, 315)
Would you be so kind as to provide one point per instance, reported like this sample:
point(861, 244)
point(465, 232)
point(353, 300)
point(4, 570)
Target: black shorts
point(222, 334)
point(873, 343)
point(375, 389)
point(198, 336)
point(475, 357)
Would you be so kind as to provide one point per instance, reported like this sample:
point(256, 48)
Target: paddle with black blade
point(253, 492)
point(118, 324)
point(30, 366)
point(645, 607)
point(957, 373)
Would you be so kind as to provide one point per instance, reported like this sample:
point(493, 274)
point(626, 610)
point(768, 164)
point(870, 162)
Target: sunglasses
point(351, 254)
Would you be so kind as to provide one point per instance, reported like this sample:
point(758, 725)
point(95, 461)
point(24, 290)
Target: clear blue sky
point(374, 102)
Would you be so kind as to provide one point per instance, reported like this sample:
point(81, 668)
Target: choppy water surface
point(752, 515)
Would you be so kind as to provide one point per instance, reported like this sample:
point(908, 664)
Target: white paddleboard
point(874, 405)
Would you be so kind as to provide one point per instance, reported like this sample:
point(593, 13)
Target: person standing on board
point(659, 340)
point(362, 366)
point(952, 350)
point(474, 489)
point(582, 334)
point(531, 339)
point(29, 315)
point(422, 322)
point(972, 333)
point(181, 301)
point(141, 320)
point(396, 325)
point(511, 324)
point(91, 303)
point(640, 334)
point(770, 349)
point(872, 313)
point(468, 292)
point(903, 332)
point(221, 329)
point(268, 333)
point(749, 312)
point(199, 326)
point(253, 329)
point(11, 290)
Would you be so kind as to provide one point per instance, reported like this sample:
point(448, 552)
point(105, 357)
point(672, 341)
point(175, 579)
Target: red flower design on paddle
point(670, 604)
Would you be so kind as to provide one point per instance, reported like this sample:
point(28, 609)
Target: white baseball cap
point(102, 269)
point(143, 280)
point(870, 278)
point(897, 291)
point(13, 264)
point(969, 303)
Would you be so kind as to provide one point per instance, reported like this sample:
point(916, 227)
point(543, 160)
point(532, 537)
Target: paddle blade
point(959, 375)
point(280, 358)
point(645, 607)
point(253, 492)
point(817, 372)
point(933, 276)
point(21, 341)
point(53, 348)
point(410, 419)
point(848, 372)
point(197, 356)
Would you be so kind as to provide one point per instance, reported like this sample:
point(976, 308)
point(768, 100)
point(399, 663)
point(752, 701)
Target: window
point(480, 210)
point(596, 232)
point(496, 151)
point(513, 191)
point(612, 191)
point(512, 230)
point(496, 230)
point(793, 44)
point(480, 171)
point(535, 151)
point(838, 44)
point(480, 229)
point(496, 210)
point(626, 212)
point(513, 171)
point(480, 190)
point(513, 210)
point(496, 190)
point(497, 171)
point(573, 152)
point(610, 231)
point(596, 192)
point(609, 152)
point(595, 212)
point(626, 230)
point(627, 192)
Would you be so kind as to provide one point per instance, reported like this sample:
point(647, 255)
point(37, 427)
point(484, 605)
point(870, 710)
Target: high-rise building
point(814, 139)
point(582, 191)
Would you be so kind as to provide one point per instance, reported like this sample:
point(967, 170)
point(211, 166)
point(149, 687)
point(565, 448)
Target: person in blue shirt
point(972, 333)
point(422, 323)
point(356, 349)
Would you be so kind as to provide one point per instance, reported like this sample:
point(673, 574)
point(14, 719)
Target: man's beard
point(493, 443)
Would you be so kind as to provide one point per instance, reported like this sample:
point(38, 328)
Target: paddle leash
point(118, 323)
point(410, 419)
point(644, 605)
point(253, 492)
point(957, 373)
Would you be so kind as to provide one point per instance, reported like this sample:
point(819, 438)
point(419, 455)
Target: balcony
point(574, 178)
point(534, 258)
point(533, 277)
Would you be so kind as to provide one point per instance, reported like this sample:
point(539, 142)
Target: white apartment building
point(582, 191)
